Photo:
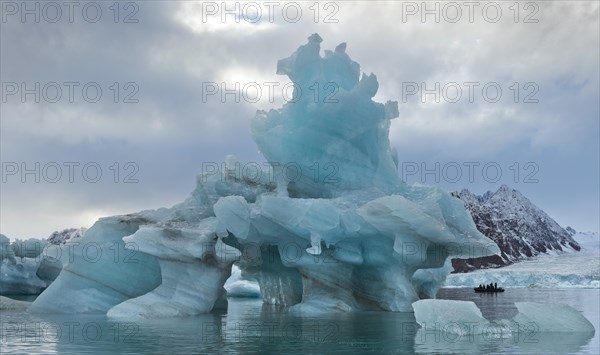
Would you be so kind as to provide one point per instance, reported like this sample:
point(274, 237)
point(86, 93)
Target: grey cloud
point(170, 132)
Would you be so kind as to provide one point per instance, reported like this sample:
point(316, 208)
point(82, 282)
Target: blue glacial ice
point(20, 263)
point(343, 232)
point(552, 318)
point(450, 326)
point(28, 266)
point(463, 317)
point(98, 272)
point(238, 285)
point(194, 266)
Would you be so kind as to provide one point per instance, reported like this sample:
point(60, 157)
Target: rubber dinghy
point(484, 290)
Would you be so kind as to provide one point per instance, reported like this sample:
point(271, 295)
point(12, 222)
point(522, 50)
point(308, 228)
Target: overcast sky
point(542, 133)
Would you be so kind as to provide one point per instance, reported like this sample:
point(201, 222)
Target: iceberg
point(329, 227)
point(552, 318)
point(20, 262)
point(449, 326)
point(459, 317)
point(28, 266)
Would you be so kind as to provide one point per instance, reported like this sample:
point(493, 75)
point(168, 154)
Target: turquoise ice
point(330, 227)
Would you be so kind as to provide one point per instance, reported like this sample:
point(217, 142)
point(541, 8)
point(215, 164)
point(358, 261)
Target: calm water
point(251, 327)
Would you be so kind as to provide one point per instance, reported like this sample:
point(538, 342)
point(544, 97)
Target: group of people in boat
point(491, 287)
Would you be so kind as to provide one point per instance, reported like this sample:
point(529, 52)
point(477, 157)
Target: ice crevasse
point(349, 235)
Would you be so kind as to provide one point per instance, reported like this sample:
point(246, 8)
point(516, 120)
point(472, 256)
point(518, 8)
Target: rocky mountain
point(63, 236)
point(571, 231)
point(520, 228)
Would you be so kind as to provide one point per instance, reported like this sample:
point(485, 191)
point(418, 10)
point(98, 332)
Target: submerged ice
point(349, 235)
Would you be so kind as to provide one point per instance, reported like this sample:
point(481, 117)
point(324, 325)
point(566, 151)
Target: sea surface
point(251, 327)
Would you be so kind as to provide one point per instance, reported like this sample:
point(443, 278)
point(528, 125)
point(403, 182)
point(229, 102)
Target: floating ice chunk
point(8, 304)
point(464, 317)
point(557, 318)
point(238, 286)
point(27, 267)
point(21, 277)
point(453, 316)
point(19, 263)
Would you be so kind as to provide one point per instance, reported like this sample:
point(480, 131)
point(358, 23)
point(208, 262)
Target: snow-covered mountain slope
point(587, 240)
point(520, 228)
point(581, 270)
point(63, 236)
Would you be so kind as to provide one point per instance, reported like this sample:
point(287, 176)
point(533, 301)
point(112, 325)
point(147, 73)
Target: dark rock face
point(521, 229)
